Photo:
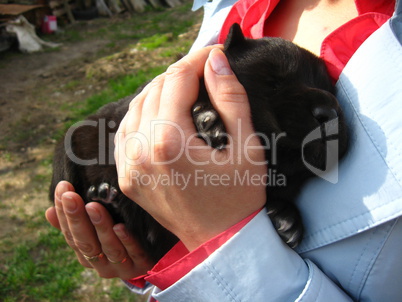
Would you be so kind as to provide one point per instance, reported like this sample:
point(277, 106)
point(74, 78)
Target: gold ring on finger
point(95, 258)
point(116, 262)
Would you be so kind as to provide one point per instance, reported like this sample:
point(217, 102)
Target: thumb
point(228, 96)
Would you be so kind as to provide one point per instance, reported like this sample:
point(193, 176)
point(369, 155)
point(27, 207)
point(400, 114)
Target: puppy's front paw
point(209, 125)
point(288, 224)
point(104, 193)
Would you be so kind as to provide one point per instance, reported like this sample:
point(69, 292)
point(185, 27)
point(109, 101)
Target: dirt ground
point(31, 95)
point(33, 90)
point(29, 114)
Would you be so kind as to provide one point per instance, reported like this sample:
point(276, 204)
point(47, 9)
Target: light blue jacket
point(352, 248)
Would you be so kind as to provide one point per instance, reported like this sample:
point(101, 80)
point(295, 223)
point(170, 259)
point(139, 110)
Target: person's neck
point(308, 22)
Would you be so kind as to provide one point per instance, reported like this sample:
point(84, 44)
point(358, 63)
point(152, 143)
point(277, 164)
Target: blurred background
point(60, 60)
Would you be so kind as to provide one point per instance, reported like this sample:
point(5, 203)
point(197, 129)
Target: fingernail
point(219, 62)
point(120, 231)
point(93, 214)
point(69, 204)
point(60, 189)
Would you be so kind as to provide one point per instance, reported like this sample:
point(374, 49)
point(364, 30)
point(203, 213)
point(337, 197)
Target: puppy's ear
point(235, 37)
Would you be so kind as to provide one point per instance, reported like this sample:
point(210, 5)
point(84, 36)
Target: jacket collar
point(369, 188)
point(336, 49)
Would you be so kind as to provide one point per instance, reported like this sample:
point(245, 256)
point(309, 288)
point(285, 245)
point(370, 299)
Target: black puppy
point(290, 95)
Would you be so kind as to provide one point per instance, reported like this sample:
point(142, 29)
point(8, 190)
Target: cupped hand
point(194, 191)
point(98, 243)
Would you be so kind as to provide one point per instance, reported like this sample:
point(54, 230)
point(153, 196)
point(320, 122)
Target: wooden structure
point(70, 10)
point(34, 13)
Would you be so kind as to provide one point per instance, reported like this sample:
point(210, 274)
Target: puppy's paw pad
point(104, 193)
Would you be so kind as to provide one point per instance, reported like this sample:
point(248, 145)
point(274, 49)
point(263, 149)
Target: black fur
point(289, 92)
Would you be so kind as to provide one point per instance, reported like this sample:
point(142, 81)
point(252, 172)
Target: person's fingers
point(227, 95)
point(142, 262)
point(139, 98)
point(62, 188)
point(119, 261)
point(151, 103)
point(182, 84)
point(89, 230)
point(137, 110)
point(132, 119)
point(52, 213)
point(230, 99)
point(62, 223)
point(127, 137)
point(149, 118)
point(51, 216)
point(82, 232)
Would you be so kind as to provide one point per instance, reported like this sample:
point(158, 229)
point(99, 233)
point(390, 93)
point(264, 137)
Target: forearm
point(254, 263)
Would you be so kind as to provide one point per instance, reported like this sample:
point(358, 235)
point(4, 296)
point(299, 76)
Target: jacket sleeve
point(254, 265)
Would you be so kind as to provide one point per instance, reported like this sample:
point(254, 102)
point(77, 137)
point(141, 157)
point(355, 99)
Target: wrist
point(194, 238)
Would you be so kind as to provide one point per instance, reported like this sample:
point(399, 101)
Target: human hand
point(98, 243)
point(157, 142)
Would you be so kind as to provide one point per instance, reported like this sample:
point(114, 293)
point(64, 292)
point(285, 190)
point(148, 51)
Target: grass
point(6, 156)
point(115, 90)
point(138, 26)
point(37, 265)
point(149, 31)
point(32, 272)
point(155, 41)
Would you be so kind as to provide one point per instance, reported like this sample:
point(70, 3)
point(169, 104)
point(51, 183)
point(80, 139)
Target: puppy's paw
point(209, 125)
point(288, 224)
point(104, 193)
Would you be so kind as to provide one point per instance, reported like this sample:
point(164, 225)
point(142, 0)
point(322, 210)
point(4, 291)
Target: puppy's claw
point(196, 109)
point(92, 193)
point(209, 126)
point(206, 120)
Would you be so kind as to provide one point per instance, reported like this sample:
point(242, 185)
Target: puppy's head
point(291, 96)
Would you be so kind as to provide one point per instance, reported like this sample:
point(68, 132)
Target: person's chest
point(308, 23)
